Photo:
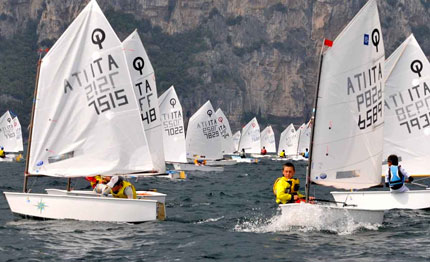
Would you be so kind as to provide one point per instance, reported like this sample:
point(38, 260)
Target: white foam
point(304, 220)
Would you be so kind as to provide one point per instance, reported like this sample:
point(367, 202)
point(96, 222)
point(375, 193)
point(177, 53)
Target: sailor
point(2, 153)
point(286, 188)
point(396, 176)
point(306, 155)
point(120, 188)
point(242, 154)
point(282, 154)
point(98, 179)
point(263, 151)
point(199, 162)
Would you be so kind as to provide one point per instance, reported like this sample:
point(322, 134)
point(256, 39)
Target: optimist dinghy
point(91, 125)
point(405, 132)
point(339, 122)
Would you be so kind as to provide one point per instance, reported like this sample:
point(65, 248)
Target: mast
point(30, 133)
point(313, 120)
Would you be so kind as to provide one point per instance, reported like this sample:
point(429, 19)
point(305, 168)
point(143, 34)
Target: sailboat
point(10, 137)
point(86, 121)
point(227, 146)
point(203, 140)
point(346, 145)
point(267, 141)
point(288, 142)
point(407, 96)
point(304, 138)
point(236, 140)
point(250, 141)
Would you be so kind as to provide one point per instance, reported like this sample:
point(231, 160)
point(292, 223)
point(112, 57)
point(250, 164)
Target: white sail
point(250, 139)
point(9, 139)
point(145, 90)
point(288, 141)
point(18, 133)
point(304, 137)
point(225, 131)
point(407, 107)
point(86, 118)
point(348, 139)
point(203, 138)
point(173, 127)
point(236, 139)
point(268, 140)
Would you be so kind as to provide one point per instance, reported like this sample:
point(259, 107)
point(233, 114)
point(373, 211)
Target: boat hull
point(227, 162)
point(385, 200)
point(192, 167)
point(148, 195)
point(332, 214)
point(86, 208)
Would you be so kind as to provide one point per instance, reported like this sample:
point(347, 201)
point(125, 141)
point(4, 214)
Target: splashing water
point(307, 218)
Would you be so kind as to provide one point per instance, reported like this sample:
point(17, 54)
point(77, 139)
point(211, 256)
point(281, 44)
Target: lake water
point(226, 216)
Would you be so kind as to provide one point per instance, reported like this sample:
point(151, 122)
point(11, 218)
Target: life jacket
point(306, 155)
point(263, 151)
point(2, 153)
point(120, 193)
point(292, 189)
point(282, 154)
point(395, 177)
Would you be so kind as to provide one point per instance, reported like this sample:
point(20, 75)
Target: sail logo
point(366, 39)
point(417, 67)
point(139, 64)
point(98, 37)
point(99, 81)
point(172, 102)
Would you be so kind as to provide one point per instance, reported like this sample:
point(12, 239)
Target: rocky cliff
point(249, 57)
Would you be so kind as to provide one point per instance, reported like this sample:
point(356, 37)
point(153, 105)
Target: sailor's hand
point(296, 197)
point(311, 198)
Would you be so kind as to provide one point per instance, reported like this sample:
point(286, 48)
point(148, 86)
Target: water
point(228, 216)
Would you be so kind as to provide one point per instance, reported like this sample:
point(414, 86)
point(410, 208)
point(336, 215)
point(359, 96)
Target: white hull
point(148, 195)
point(331, 214)
point(385, 200)
point(6, 159)
point(245, 160)
point(192, 167)
point(261, 156)
point(86, 208)
point(224, 162)
point(290, 158)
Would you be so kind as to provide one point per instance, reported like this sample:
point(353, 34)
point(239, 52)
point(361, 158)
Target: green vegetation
point(18, 62)
point(170, 55)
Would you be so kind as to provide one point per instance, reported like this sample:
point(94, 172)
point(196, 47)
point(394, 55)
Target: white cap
point(113, 181)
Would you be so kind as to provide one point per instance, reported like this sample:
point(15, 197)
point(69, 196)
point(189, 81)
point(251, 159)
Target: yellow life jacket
point(1, 153)
point(294, 185)
point(120, 193)
point(282, 154)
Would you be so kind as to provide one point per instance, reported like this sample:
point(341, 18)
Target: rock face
point(258, 57)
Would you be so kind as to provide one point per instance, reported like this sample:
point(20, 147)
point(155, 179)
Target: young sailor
point(282, 154)
point(242, 154)
point(286, 188)
point(2, 153)
point(306, 155)
point(120, 188)
point(263, 151)
point(396, 176)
